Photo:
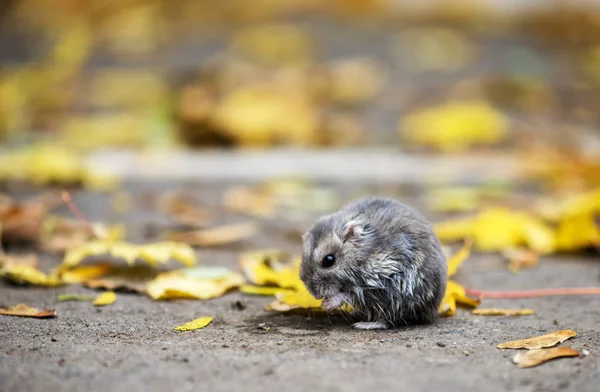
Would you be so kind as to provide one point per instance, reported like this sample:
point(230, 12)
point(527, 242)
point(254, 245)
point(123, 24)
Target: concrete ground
point(131, 345)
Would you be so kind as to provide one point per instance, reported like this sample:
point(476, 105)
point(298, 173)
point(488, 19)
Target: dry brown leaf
point(21, 221)
point(217, 236)
point(27, 311)
point(539, 356)
point(502, 312)
point(543, 341)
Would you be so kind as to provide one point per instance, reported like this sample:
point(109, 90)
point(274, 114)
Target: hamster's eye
point(328, 261)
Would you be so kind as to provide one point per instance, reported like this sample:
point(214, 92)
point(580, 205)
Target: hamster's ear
point(352, 230)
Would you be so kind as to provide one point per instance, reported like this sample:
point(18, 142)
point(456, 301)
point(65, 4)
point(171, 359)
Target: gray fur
point(389, 264)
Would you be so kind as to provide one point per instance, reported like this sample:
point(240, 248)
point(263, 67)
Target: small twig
point(77, 213)
point(534, 293)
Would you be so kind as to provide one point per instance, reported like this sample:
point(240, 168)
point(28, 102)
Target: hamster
point(379, 256)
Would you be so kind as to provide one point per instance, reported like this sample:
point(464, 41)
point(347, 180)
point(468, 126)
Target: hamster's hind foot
point(371, 325)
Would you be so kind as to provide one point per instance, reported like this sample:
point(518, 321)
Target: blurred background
point(430, 76)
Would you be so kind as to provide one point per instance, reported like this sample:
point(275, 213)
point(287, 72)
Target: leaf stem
point(534, 293)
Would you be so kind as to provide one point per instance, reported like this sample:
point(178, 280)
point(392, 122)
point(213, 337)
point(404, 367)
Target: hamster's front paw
point(371, 325)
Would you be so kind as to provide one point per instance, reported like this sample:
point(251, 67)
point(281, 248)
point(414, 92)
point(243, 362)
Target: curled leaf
point(198, 323)
point(106, 298)
point(455, 294)
point(543, 341)
point(27, 311)
point(538, 356)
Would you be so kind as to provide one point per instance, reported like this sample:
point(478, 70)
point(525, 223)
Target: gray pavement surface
point(131, 345)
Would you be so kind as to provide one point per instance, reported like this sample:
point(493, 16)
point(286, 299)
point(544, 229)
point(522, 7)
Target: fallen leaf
point(175, 284)
point(455, 126)
point(577, 232)
point(85, 273)
point(195, 324)
point(74, 297)
point(217, 236)
point(131, 279)
point(153, 254)
point(538, 356)
point(298, 299)
point(455, 261)
point(266, 267)
point(455, 294)
point(21, 221)
point(502, 312)
point(27, 311)
point(260, 290)
point(543, 341)
point(45, 163)
point(106, 298)
point(26, 274)
point(496, 229)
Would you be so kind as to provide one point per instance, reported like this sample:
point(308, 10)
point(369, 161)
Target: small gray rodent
point(379, 256)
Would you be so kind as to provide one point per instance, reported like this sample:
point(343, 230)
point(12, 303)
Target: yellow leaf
point(260, 290)
point(502, 312)
point(457, 259)
point(266, 268)
point(23, 273)
point(27, 311)
point(106, 298)
point(495, 229)
point(153, 254)
point(84, 273)
point(46, 163)
point(543, 341)
point(455, 126)
point(299, 299)
point(195, 324)
point(455, 294)
point(454, 230)
point(577, 232)
point(537, 357)
point(175, 284)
